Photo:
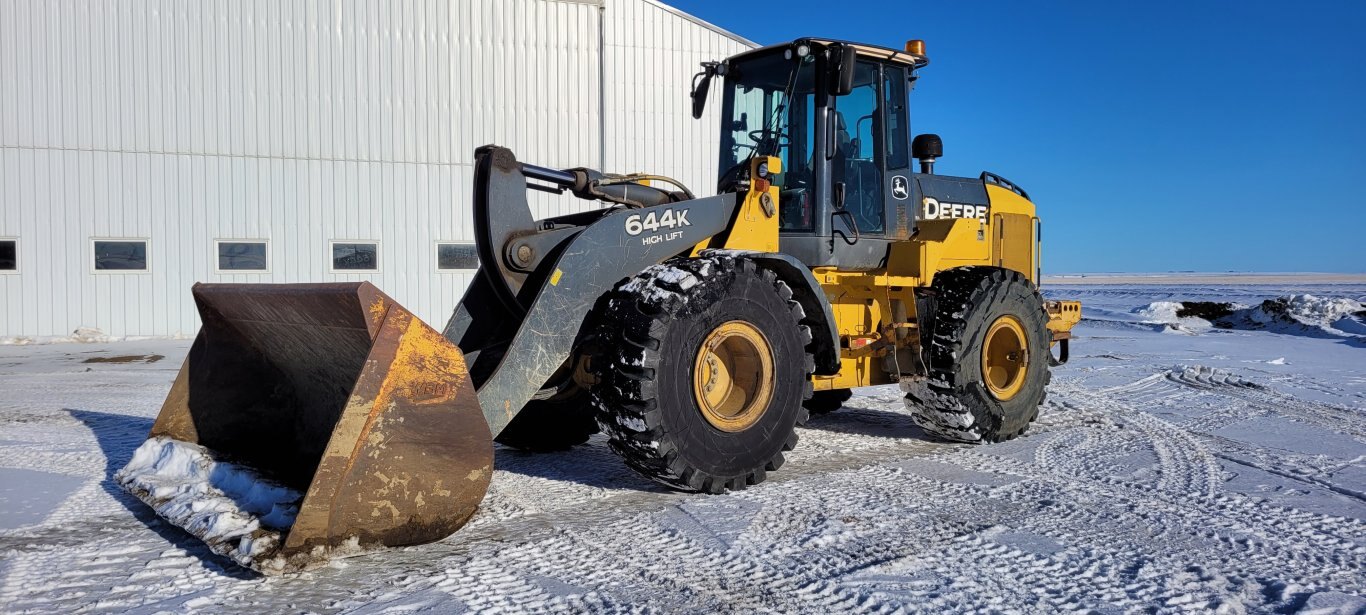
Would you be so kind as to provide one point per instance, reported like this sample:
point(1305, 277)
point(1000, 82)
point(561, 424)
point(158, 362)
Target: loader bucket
point(311, 421)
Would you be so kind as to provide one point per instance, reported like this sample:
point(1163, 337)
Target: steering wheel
point(735, 178)
point(763, 135)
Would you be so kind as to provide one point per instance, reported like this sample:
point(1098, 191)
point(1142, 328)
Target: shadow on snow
point(118, 436)
point(593, 465)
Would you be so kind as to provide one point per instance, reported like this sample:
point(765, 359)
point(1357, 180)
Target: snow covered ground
point(1178, 466)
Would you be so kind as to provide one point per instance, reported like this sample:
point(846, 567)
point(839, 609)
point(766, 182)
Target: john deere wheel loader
point(697, 333)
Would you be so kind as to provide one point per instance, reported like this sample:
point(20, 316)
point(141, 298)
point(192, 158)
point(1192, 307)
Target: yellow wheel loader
point(313, 420)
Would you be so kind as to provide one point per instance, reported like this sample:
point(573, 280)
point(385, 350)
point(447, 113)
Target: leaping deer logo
point(899, 187)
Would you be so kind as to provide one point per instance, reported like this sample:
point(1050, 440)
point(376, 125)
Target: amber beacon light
point(915, 47)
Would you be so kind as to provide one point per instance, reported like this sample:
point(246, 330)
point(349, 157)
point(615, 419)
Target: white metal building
point(149, 144)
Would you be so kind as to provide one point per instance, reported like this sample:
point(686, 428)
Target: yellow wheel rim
point(1005, 358)
point(733, 376)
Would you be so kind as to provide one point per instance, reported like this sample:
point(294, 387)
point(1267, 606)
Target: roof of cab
point(864, 49)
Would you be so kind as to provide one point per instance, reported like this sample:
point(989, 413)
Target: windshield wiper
point(769, 132)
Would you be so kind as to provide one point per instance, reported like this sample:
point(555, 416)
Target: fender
point(807, 291)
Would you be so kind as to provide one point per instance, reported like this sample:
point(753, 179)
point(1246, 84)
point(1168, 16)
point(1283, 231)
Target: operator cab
point(837, 115)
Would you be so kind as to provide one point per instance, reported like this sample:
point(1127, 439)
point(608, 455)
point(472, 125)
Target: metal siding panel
point(150, 311)
point(9, 75)
point(640, 35)
point(63, 208)
point(184, 241)
point(11, 294)
point(301, 121)
point(233, 86)
point(193, 73)
point(78, 59)
point(78, 208)
point(26, 69)
point(32, 175)
point(136, 76)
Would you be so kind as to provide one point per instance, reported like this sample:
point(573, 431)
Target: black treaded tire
point(549, 425)
point(953, 403)
point(825, 402)
point(652, 327)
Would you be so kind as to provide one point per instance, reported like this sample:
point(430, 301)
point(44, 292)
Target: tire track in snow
point(1234, 400)
point(1280, 534)
point(1177, 384)
point(865, 517)
point(1107, 520)
point(1190, 470)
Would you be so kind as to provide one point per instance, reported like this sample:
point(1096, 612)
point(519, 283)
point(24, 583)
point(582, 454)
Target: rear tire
point(667, 333)
point(969, 397)
point(825, 402)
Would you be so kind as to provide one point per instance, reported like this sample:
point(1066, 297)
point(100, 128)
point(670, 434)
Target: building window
point(129, 255)
point(250, 255)
point(354, 256)
point(9, 255)
point(456, 256)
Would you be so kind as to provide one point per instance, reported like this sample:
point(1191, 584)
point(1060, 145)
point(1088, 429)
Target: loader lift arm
point(566, 264)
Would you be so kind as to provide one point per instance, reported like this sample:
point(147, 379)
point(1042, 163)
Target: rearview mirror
point(842, 82)
point(701, 85)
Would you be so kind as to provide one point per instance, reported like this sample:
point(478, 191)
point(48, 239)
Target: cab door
point(895, 143)
point(859, 220)
point(873, 162)
point(857, 163)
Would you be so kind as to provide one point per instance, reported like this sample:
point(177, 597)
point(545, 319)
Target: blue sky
point(1154, 136)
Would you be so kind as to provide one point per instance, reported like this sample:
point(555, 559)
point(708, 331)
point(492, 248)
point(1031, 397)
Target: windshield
point(768, 110)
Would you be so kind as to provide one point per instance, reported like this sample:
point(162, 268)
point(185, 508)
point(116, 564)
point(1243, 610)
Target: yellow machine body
point(875, 311)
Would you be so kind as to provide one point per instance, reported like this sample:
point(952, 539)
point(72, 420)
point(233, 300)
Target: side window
point(797, 180)
point(243, 255)
point(355, 256)
point(857, 117)
point(123, 255)
point(9, 255)
point(857, 162)
point(456, 256)
point(896, 131)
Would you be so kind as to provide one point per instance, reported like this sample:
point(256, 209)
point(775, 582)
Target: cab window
point(898, 121)
point(769, 105)
point(858, 144)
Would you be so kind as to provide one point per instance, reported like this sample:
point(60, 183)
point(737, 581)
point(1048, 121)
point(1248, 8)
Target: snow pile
point(89, 335)
point(1308, 315)
point(1288, 314)
point(83, 335)
point(234, 510)
point(1173, 315)
point(1307, 310)
point(1160, 311)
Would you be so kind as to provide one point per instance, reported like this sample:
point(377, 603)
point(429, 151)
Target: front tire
point(987, 352)
point(703, 372)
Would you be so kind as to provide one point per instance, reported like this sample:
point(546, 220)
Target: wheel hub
point(733, 376)
point(1005, 358)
